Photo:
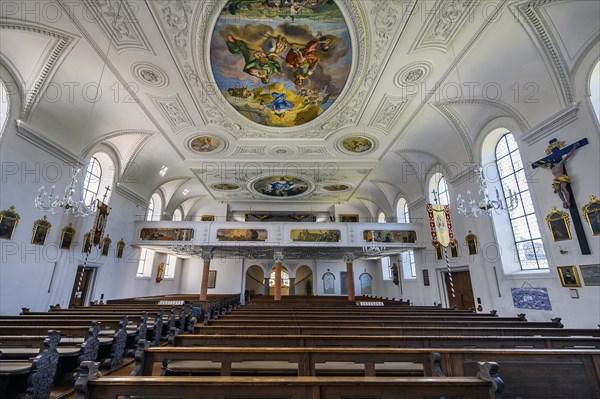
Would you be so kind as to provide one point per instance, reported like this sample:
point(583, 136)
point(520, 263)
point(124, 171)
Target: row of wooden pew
point(327, 347)
point(40, 351)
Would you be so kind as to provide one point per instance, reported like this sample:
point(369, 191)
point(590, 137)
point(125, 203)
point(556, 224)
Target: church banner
point(440, 224)
point(100, 222)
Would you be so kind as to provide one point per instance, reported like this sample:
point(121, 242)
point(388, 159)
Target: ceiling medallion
point(356, 144)
point(336, 187)
point(280, 64)
point(225, 186)
point(149, 74)
point(205, 144)
point(413, 73)
point(281, 186)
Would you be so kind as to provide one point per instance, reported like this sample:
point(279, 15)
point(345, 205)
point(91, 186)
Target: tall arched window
point(402, 211)
point(177, 215)
point(595, 90)
point(381, 217)
point(91, 184)
point(438, 183)
point(4, 105)
point(150, 210)
point(525, 228)
point(155, 208)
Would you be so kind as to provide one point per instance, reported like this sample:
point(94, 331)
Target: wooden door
point(80, 286)
point(462, 288)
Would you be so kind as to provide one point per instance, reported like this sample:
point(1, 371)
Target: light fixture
point(163, 171)
point(185, 249)
point(472, 208)
point(67, 204)
point(375, 248)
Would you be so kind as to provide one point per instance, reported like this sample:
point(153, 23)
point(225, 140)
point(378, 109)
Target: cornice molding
point(36, 138)
point(556, 122)
point(131, 196)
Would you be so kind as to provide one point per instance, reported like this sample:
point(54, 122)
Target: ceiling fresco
point(280, 63)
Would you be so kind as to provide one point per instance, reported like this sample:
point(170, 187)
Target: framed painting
point(349, 218)
point(120, 249)
point(439, 254)
point(454, 250)
point(106, 245)
point(207, 218)
point(41, 228)
point(212, 278)
point(86, 248)
point(568, 276)
point(471, 240)
point(591, 214)
point(558, 223)
point(8, 222)
point(426, 278)
point(66, 238)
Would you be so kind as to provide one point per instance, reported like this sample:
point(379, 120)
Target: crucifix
point(557, 155)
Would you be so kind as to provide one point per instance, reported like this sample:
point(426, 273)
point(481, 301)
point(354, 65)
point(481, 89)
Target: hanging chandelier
point(472, 208)
point(375, 248)
point(184, 249)
point(48, 202)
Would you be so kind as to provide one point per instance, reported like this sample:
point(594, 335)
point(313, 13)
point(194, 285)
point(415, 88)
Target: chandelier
point(472, 208)
point(184, 249)
point(67, 204)
point(375, 248)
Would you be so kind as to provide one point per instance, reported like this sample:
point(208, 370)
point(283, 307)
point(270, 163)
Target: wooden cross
point(555, 161)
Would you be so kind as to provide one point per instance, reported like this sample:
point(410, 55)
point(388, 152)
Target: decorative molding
point(131, 196)
point(173, 110)
point(250, 150)
point(387, 112)
point(313, 151)
point(27, 133)
point(530, 13)
point(418, 203)
point(149, 74)
point(443, 25)
point(281, 151)
point(413, 73)
point(467, 174)
point(459, 127)
point(119, 23)
point(62, 41)
point(556, 122)
point(506, 109)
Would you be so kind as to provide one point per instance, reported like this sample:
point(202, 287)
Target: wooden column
point(207, 257)
point(349, 258)
point(278, 257)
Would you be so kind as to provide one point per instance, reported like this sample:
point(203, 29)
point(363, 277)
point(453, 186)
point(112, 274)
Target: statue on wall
point(561, 178)
point(395, 278)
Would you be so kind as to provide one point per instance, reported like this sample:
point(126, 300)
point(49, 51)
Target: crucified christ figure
point(561, 178)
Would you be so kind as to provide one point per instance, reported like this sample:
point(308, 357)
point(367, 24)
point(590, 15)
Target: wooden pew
point(487, 385)
point(440, 330)
point(382, 341)
point(521, 373)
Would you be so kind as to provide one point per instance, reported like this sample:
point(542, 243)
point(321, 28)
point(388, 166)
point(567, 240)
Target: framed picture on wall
point(558, 223)
point(439, 253)
point(212, 278)
point(120, 248)
point(106, 245)
point(41, 228)
point(568, 276)
point(66, 238)
point(349, 218)
point(86, 248)
point(471, 240)
point(454, 250)
point(591, 214)
point(8, 222)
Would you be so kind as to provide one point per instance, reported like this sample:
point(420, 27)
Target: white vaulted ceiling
point(408, 59)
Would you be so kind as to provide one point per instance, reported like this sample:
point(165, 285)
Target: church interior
point(377, 191)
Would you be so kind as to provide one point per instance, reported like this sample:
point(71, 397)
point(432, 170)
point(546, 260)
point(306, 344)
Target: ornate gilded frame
point(471, 241)
point(67, 236)
point(86, 247)
point(591, 214)
point(568, 276)
point(120, 248)
point(559, 225)
point(41, 228)
point(105, 245)
point(9, 219)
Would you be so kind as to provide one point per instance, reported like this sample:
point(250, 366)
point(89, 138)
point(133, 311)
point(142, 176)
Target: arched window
point(402, 211)
point(525, 228)
point(438, 183)
point(595, 90)
point(177, 215)
point(366, 286)
point(91, 184)
point(381, 217)
point(154, 208)
point(99, 174)
point(4, 105)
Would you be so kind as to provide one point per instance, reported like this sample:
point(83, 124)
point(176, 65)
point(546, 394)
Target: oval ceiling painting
point(357, 144)
point(336, 187)
point(205, 144)
point(280, 62)
point(280, 186)
point(225, 186)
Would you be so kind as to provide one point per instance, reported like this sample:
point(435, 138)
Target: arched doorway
point(285, 282)
point(304, 281)
point(255, 277)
